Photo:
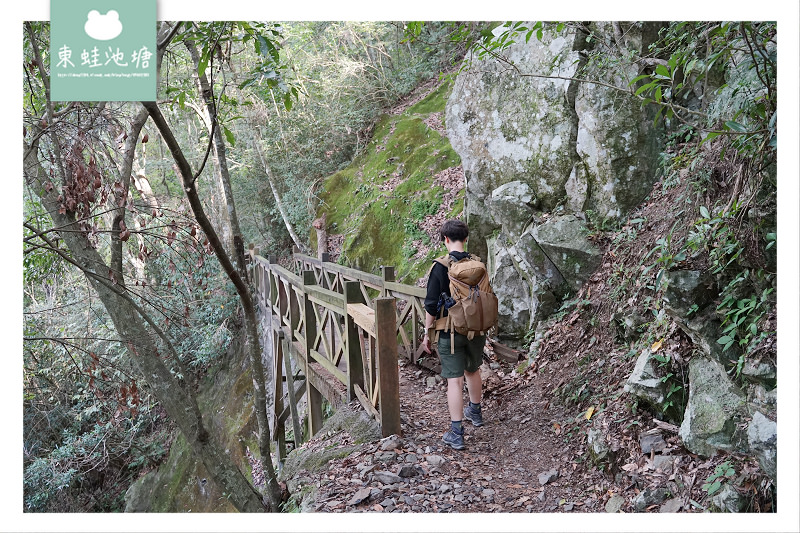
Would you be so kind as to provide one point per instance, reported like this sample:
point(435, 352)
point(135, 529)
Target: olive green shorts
point(468, 354)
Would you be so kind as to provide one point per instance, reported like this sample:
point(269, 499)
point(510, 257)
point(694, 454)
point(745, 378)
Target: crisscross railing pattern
point(333, 334)
point(410, 309)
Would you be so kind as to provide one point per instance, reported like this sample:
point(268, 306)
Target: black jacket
point(438, 283)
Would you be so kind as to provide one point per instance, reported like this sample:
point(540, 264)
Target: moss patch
point(377, 200)
point(435, 101)
point(226, 400)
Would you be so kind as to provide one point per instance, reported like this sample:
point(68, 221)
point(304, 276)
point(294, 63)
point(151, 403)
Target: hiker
point(461, 353)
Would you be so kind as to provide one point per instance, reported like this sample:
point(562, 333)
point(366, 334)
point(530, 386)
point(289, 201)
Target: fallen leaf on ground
point(656, 346)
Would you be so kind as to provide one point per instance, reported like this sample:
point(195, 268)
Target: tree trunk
point(279, 203)
point(251, 323)
point(129, 320)
point(210, 111)
point(320, 224)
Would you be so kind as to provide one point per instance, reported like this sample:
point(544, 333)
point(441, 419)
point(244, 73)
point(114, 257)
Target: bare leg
point(455, 398)
point(474, 386)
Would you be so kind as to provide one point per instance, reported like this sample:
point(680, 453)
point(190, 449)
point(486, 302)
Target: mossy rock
point(435, 101)
point(181, 483)
point(357, 424)
point(381, 225)
point(360, 426)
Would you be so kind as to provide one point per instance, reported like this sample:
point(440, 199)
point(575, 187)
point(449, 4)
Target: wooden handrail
point(373, 280)
point(343, 339)
point(401, 289)
point(357, 275)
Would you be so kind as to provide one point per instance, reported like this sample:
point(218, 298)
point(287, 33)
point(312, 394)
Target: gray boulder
point(511, 206)
point(728, 500)
point(527, 284)
point(563, 239)
point(548, 477)
point(648, 497)
point(630, 325)
point(615, 503)
point(435, 460)
point(138, 497)
point(671, 506)
point(385, 457)
point(387, 478)
point(573, 144)
point(515, 304)
point(617, 142)
point(704, 329)
point(689, 288)
point(665, 463)
point(760, 398)
point(761, 372)
point(506, 127)
point(598, 449)
point(714, 411)
point(654, 442)
point(535, 261)
point(762, 437)
point(392, 442)
point(531, 272)
point(645, 384)
point(360, 426)
point(685, 289)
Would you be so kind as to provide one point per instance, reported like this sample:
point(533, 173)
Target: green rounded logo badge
point(102, 50)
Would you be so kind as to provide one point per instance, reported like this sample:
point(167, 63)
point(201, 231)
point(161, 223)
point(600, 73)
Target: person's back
point(460, 355)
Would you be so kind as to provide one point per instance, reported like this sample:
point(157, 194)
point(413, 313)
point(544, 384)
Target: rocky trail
point(514, 463)
point(525, 458)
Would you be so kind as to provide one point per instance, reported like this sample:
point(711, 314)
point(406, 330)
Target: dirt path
point(507, 455)
point(499, 471)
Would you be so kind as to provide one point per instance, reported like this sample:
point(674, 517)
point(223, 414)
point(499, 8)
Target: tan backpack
point(473, 308)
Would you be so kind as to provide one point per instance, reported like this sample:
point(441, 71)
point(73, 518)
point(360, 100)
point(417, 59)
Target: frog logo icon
point(103, 27)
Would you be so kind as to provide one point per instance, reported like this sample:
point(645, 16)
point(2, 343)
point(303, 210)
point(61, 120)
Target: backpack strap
point(446, 260)
point(441, 321)
point(442, 261)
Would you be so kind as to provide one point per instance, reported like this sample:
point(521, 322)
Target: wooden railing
point(410, 310)
point(336, 333)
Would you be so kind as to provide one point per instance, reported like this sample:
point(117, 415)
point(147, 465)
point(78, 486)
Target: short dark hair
point(455, 230)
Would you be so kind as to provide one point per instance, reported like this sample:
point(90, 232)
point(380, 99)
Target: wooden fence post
point(287, 363)
point(388, 374)
point(273, 286)
point(325, 258)
point(355, 363)
point(278, 427)
point(314, 397)
point(388, 275)
point(263, 284)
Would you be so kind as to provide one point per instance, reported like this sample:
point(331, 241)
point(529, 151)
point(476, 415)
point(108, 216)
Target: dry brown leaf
point(656, 346)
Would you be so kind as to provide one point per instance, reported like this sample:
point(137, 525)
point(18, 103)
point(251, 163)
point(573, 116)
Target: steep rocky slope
point(180, 484)
point(387, 206)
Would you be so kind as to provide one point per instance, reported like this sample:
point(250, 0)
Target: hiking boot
point(473, 416)
point(453, 439)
